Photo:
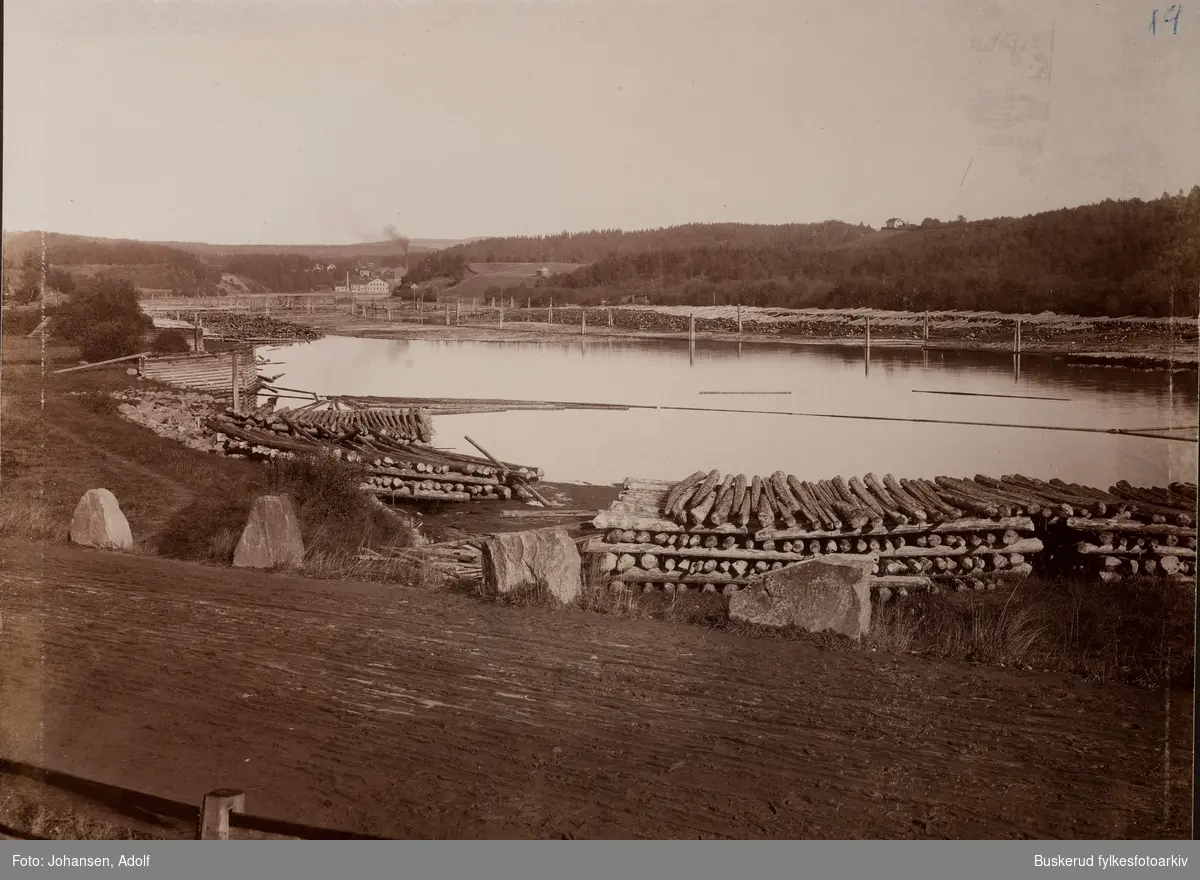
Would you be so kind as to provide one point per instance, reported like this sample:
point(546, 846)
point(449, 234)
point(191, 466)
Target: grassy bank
point(1137, 632)
point(62, 435)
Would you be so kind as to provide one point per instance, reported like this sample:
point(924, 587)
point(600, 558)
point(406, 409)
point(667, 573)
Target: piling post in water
point(457, 311)
point(868, 338)
point(447, 314)
point(501, 314)
point(925, 331)
point(1017, 340)
point(739, 313)
point(610, 317)
point(551, 314)
point(582, 322)
point(691, 329)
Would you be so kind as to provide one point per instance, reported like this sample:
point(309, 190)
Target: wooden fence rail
point(221, 810)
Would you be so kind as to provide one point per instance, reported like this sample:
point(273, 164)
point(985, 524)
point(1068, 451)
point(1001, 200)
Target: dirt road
point(405, 713)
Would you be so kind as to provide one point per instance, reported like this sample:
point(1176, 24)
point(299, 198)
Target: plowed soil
point(412, 714)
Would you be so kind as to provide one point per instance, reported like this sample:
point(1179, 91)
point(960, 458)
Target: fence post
point(582, 322)
point(214, 815)
point(457, 311)
point(739, 318)
point(925, 337)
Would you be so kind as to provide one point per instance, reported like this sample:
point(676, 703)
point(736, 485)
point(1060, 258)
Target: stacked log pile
point(390, 444)
point(722, 531)
point(1129, 532)
point(244, 327)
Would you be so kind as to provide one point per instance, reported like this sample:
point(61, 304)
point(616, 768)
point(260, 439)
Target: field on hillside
point(504, 276)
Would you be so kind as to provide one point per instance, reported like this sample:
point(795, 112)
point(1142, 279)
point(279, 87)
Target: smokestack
point(394, 235)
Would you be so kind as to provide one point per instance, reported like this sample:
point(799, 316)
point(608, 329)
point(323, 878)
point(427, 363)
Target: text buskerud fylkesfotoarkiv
point(1110, 861)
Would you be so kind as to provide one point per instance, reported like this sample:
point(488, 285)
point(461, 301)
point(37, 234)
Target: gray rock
point(271, 538)
point(829, 593)
point(99, 522)
point(536, 560)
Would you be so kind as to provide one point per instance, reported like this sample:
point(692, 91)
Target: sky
point(324, 121)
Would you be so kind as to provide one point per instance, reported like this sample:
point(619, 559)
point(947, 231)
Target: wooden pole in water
point(868, 332)
point(925, 334)
point(610, 317)
point(691, 329)
point(447, 314)
point(551, 318)
point(739, 313)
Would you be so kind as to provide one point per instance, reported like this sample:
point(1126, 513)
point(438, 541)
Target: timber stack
point(724, 531)
point(1128, 531)
point(392, 445)
point(246, 328)
point(716, 531)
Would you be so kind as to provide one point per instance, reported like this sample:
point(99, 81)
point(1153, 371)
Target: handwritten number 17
point(1171, 17)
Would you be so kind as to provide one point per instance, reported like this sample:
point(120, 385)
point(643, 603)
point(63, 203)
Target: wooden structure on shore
point(716, 532)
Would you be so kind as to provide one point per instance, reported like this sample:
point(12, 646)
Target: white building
point(374, 286)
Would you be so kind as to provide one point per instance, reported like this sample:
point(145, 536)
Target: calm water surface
point(606, 447)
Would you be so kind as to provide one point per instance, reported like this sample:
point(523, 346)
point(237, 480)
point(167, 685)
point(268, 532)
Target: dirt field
point(431, 715)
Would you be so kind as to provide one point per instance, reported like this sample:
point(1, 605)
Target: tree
point(104, 319)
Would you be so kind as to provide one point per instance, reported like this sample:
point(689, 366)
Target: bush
point(170, 342)
point(109, 339)
point(20, 321)
point(104, 319)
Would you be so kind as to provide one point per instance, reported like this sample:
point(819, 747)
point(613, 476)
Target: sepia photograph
point(598, 420)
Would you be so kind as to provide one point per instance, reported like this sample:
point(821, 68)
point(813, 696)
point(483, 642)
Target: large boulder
point(271, 538)
point(533, 561)
point(98, 522)
point(826, 593)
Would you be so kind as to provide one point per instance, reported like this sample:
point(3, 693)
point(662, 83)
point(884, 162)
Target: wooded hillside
point(1113, 258)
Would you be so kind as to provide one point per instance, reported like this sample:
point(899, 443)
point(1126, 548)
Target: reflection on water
point(596, 446)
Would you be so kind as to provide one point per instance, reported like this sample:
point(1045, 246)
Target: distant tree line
point(1113, 258)
point(588, 247)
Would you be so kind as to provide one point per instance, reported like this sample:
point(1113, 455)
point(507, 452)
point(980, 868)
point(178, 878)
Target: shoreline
point(1148, 352)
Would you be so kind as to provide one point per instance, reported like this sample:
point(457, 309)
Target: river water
point(607, 446)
